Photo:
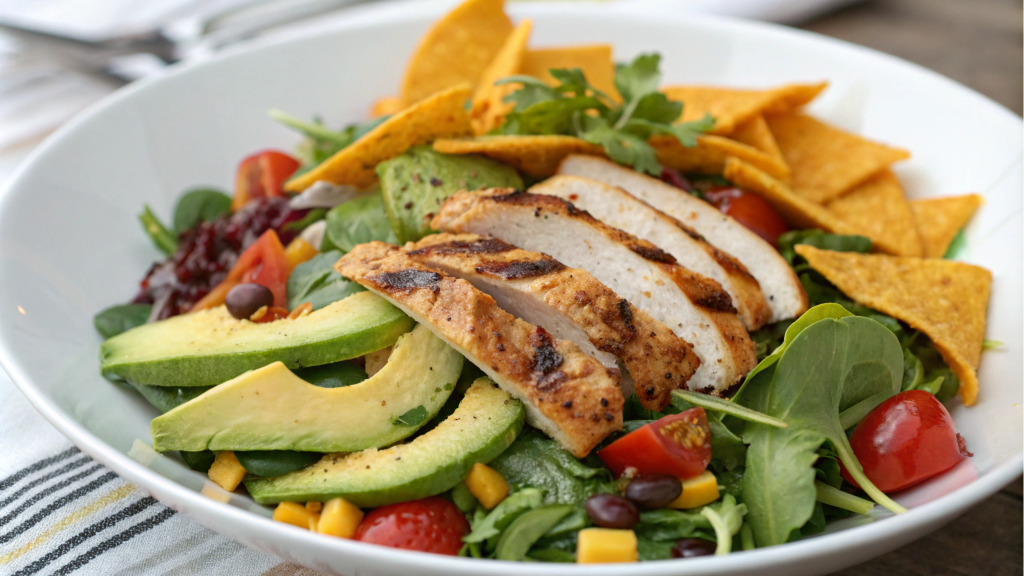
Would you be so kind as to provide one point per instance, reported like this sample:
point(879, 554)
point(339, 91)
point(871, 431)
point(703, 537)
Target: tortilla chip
point(732, 107)
point(946, 300)
point(488, 109)
point(595, 60)
point(537, 156)
point(826, 162)
point(442, 115)
point(457, 49)
point(756, 134)
point(710, 154)
point(940, 219)
point(797, 211)
point(386, 106)
point(880, 211)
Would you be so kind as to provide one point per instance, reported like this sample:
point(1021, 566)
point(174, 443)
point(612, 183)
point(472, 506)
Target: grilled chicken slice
point(778, 282)
point(619, 209)
point(568, 395)
point(571, 305)
point(694, 307)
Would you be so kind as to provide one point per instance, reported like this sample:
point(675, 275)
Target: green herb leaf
point(321, 142)
point(315, 281)
point(463, 498)
point(726, 517)
point(167, 398)
point(333, 375)
point(271, 463)
point(314, 215)
point(826, 368)
point(200, 205)
point(489, 526)
point(413, 417)
point(359, 221)
point(117, 319)
point(526, 529)
point(835, 497)
point(162, 238)
point(823, 240)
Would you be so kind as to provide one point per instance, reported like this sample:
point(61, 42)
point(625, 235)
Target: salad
point(543, 308)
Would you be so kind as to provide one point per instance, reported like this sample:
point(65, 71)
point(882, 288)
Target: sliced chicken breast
point(567, 394)
point(571, 305)
point(778, 282)
point(619, 209)
point(694, 307)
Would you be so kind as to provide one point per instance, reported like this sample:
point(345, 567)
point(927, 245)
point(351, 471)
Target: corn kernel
point(339, 518)
point(697, 491)
point(226, 471)
point(299, 251)
point(314, 506)
point(605, 545)
point(293, 513)
point(314, 521)
point(487, 485)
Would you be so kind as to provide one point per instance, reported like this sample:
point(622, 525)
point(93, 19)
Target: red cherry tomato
point(905, 440)
point(428, 525)
point(679, 445)
point(750, 210)
point(262, 175)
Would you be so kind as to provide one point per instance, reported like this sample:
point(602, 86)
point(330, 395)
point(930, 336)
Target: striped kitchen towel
point(61, 512)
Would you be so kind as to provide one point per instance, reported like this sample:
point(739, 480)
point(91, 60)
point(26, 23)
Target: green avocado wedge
point(210, 347)
point(486, 422)
point(273, 409)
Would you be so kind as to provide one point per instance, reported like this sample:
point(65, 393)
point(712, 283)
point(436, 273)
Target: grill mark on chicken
point(717, 301)
point(626, 313)
point(480, 246)
point(407, 280)
point(652, 253)
point(516, 270)
point(546, 361)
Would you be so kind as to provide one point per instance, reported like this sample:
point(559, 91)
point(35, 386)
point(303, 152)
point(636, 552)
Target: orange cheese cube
point(226, 471)
point(487, 485)
point(697, 491)
point(605, 545)
point(339, 518)
point(293, 513)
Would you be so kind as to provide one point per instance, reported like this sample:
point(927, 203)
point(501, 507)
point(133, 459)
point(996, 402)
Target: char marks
point(521, 269)
point(407, 280)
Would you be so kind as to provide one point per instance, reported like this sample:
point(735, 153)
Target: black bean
point(692, 548)
point(612, 511)
point(245, 299)
point(654, 490)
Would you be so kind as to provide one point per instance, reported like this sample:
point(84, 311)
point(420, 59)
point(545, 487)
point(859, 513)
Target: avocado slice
point(415, 184)
point(273, 409)
point(209, 347)
point(486, 422)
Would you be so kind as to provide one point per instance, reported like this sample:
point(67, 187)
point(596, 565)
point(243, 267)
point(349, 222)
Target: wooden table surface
point(978, 43)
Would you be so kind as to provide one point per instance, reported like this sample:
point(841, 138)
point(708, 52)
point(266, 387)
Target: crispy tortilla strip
point(442, 115)
point(946, 300)
point(880, 211)
point(756, 134)
point(939, 220)
point(535, 155)
point(732, 107)
point(797, 211)
point(488, 109)
point(595, 60)
point(710, 154)
point(826, 162)
point(457, 49)
point(386, 106)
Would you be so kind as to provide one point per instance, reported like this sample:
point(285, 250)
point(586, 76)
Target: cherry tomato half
point(906, 440)
point(679, 445)
point(262, 175)
point(750, 210)
point(428, 525)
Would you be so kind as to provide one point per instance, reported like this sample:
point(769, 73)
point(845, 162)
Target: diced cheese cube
point(226, 471)
point(339, 518)
point(299, 251)
point(487, 485)
point(293, 513)
point(605, 545)
point(697, 491)
point(314, 506)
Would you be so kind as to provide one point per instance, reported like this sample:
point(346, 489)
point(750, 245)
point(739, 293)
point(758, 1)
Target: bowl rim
point(163, 488)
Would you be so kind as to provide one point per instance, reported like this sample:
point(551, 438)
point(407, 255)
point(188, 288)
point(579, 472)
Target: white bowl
point(70, 243)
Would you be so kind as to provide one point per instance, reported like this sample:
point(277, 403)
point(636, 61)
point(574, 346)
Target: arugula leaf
point(575, 108)
point(321, 142)
point(726, 517)
point(359, 221)
point(527, 528)
point(315, 281)
point(823, 240)
point(824, 369)
point(200, 205)
point(162, 238)
point(112, 321)
point(658, 530)
point(488, 526)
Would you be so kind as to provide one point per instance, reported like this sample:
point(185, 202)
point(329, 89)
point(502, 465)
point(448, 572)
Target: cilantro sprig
point(575, 108)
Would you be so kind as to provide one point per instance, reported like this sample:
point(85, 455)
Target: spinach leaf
point(333, 375)
point(552, 555)
point(199, 461)
point(412, 417)
point(415, 184)
point(271, 463)
point(112, 321)
point(463, 498)
point(167, 398)
point(162, 238)
point(527, 528)
point(488, 526)
point(823, 240)
point(725, 407)
point(200, 205)
point(315, 281)
point(658, 530)
point(822, 370)
point(536, 461)
point(311, 217)
point(359, 221)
